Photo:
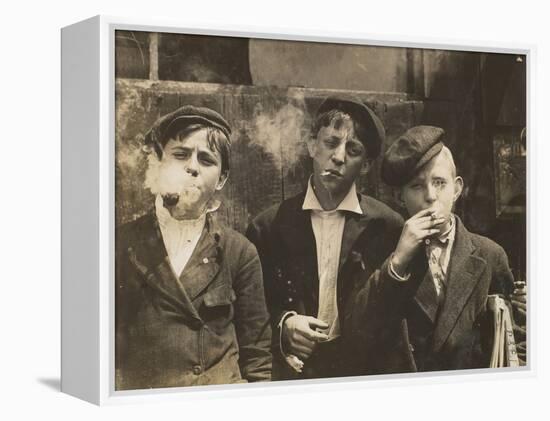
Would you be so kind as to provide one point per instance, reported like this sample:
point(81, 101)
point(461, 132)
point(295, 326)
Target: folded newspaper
point(504, 352)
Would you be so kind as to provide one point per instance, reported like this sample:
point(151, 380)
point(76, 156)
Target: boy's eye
point(207, 160)
point(355, 150)
point(331, 143)
point(181, 155)
point(439, 183)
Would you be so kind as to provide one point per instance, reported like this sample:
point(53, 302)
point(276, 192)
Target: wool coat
point(403, 327)
point(208, 326)
point(284, 237)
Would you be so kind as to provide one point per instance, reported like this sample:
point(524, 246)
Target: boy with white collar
point(190, 306)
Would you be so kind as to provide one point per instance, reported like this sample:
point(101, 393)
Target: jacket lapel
point(426, 297)
point(296, 233)
point(204, 263)
point(354, 226)
point(465, 269)
point(149, 257)
point(360, 226)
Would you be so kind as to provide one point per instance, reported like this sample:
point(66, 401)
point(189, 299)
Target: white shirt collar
point(449, 235)
point(349, 203)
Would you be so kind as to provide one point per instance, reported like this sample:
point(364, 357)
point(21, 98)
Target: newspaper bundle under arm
point(504, 352)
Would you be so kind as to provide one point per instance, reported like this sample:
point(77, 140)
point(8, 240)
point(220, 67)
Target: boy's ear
point(459, 186)
point(221, 181)
point(367, 165)
point(398, 197)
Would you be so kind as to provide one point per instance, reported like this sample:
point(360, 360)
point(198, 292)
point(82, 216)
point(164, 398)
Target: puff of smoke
point(280, 133)
point(170, 178)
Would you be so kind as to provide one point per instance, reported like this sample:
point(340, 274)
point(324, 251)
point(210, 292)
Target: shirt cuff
point(280, 326)
point(393, 273)
point(294, 362)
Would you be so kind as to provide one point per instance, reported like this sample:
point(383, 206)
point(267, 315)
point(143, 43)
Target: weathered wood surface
point(270, 126)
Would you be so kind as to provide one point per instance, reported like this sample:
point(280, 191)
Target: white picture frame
point(88, 151)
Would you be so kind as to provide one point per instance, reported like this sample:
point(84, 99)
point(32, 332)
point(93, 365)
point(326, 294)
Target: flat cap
point(409, 153)
point(169, 124)
point(373, 133)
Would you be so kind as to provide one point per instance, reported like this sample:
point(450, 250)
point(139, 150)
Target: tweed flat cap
point(373, 133)
point(409, 153)
point(169, 124)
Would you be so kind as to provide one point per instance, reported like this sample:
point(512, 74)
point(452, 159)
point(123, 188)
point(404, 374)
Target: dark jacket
point(284, 237)
point(210, 326)
point(401, 327)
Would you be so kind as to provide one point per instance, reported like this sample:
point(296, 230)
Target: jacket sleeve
point(503, 284)
point(252, 319)
point(258, 233)
point(377, 312)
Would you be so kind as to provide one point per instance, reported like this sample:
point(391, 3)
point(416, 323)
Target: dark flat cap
point(408, 154)
point(373, 134)
point(169, 124)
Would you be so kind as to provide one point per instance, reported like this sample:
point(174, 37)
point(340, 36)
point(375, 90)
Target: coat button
point(205, 260)
point(411, 347)
point(197, 369)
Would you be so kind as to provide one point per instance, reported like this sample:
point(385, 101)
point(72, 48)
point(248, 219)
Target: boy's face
point(338, 156)
point(190, 171)
point(435, 186)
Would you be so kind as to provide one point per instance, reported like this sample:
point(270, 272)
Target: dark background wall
point(269, 91)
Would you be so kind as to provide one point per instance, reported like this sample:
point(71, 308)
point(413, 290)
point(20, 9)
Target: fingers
point(521, 312)
point(519, 304)
point(425, 223)
point(316, 323)
point(428, 233)
point(302, 355)
point(315, 336)
point(302, 351)
point(423, 213)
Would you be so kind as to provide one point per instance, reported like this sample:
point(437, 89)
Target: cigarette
point(170, 199)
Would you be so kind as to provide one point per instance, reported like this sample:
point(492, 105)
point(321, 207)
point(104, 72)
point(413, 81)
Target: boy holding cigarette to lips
point(190, 306)
point(431, 293)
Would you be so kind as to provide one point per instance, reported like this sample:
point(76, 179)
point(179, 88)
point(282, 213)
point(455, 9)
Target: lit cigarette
point(170, 199)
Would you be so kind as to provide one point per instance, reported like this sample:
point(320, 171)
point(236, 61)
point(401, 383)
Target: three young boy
point(190, 303)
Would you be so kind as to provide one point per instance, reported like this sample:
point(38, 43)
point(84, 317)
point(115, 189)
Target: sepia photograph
point(292, 210)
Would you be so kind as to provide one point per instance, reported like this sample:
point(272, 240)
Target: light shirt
point(438, 252)
point(180, 237)
point(328, 228)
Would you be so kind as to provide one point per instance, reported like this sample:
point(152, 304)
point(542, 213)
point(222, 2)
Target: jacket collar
point(350, 202)
point(149, 257)
point(298, 238)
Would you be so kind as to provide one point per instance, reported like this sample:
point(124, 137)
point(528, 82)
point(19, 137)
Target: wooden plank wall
point(270, 126)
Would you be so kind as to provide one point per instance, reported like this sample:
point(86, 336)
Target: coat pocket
point(220, 295)
point(217, 308)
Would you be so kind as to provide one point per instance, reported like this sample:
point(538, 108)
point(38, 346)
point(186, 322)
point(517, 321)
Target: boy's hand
point(300, 336)
point(416, 229)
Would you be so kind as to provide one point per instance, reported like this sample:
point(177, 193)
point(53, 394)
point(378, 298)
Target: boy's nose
point(192, 166)
point(192, 171)
point(431, 194)
point(339, 155)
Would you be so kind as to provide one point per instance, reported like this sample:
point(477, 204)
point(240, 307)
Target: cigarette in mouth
point(170, 199)
point(326, 172)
